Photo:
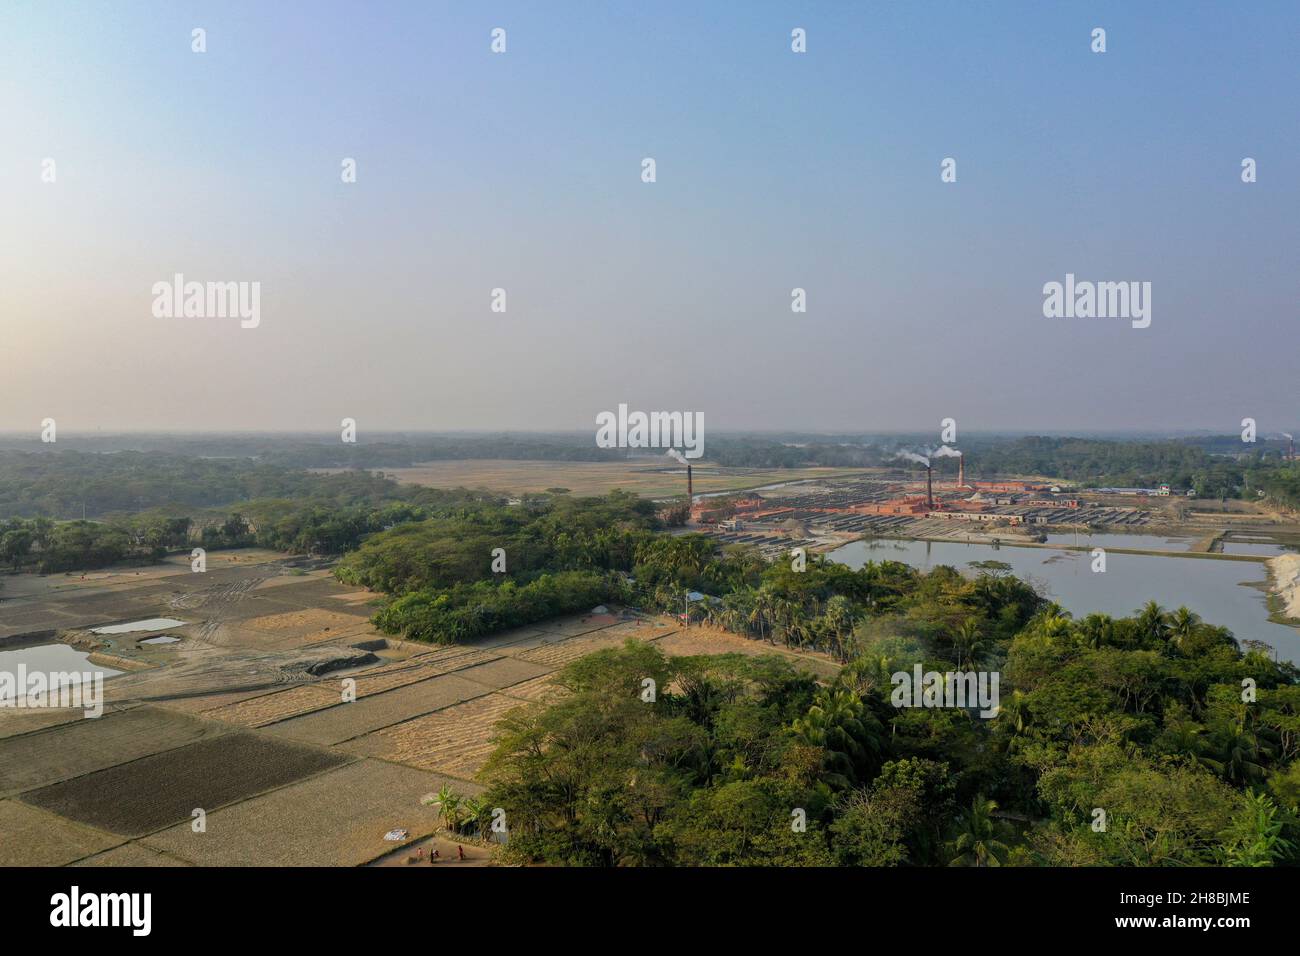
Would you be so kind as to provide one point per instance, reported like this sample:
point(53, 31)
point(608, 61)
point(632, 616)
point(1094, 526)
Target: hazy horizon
point(775, 170)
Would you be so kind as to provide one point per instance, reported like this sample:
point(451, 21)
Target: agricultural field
point(139, 797)
point(83, 746)
point(243, 717)
point(648, 478)
point(334, 819)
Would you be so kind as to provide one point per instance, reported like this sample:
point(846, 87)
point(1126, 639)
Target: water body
point(1269, 550)
point(1212, 588)
point(152, 624)
point(161, 639)
point(53, 659)
point(1141, 542)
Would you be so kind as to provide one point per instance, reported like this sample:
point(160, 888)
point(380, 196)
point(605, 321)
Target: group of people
point(435, 856)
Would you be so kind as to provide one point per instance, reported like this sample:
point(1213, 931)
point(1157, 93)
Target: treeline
point(71, 484)
point(455, 577)
point(1282, 486)
point(1183, 465)
point(1151, 740)
point(342, 511)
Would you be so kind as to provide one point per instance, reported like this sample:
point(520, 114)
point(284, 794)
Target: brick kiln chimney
point(690, 485)
point(929, 487)
point(961, 471)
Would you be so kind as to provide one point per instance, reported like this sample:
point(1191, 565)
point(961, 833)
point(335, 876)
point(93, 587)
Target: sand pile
point(1286, 582)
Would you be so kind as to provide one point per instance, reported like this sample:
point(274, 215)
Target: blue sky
point(775, 170)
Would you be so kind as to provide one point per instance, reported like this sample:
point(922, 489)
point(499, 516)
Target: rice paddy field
point(245, 717)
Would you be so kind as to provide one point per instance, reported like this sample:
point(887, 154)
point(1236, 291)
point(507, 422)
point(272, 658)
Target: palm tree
point(1098, 630)
point(978, 843)
point(1016, 712)
point(838, 722)
point(839, 622)
point(1182, 624)
point(1242, 754)
point(1053, 621)
point(764, 606)
point(968, 644)
point(1153, 622)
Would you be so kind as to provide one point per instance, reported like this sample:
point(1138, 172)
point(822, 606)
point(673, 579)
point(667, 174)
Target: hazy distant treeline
point(1181, 464)
point(72, 484)
point(67, 484)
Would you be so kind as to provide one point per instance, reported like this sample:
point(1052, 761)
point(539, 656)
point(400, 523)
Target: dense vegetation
point(71, 484)
point(1094, 463)
point(318, 515)
point(1119, 742)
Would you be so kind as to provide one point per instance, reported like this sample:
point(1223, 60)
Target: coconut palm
point(1016, 712)
point(841, 725)
point(1153, 622)
point(839, 623)
point(968, 644)
point(978, 843)
point(1098, 630)
point(1182, 625)
point(1052, 622)
point(1242, 755)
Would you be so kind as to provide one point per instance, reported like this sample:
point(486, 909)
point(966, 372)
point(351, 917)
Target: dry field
point(337, 818)
point(280, 705)
point(455, 741)
point(131, 854)
point(33, 837)
point(86, 745)
point(139, 797)
point(648, 478)
point(340, 723)
point(244, 718)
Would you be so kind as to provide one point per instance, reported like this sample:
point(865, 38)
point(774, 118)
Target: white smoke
point(677, 456)
point(943, 451)
point(913, 456)
point(1288, 437)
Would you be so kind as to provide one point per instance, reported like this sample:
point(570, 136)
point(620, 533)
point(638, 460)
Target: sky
point(522, 171)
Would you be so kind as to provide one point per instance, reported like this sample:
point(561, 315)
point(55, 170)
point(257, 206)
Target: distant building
point(895, 506)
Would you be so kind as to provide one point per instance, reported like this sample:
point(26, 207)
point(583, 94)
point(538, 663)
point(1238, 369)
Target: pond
point(150, 624)
point(1138, 542)
point(52, 659)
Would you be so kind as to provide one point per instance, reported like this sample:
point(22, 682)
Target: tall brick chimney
point(961, 471)
point(690, 485)
point(929, 487)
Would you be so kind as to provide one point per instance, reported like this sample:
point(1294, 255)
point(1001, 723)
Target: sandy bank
point(1285, 572)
